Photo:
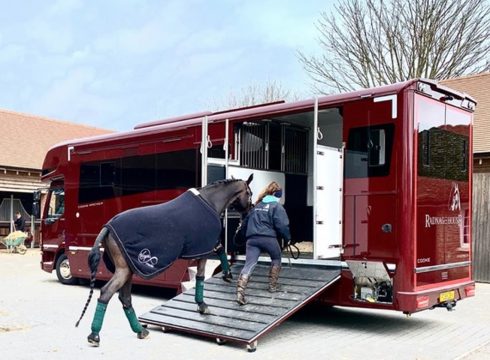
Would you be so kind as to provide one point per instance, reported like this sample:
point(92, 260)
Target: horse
point(192, 238)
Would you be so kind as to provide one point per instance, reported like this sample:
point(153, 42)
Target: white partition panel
point(328, 210)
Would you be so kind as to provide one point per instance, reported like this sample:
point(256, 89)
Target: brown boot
point(240, 289)
point(273, 277)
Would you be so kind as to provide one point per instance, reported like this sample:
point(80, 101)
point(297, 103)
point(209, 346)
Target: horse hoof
point(94, 339)
point(227, 277)
point(241, 301)
point(203, 309)
point(143, 334)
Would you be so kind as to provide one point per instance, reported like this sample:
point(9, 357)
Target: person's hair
point(268, 190)
point(17, 213)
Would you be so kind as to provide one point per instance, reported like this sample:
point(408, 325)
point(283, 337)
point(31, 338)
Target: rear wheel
point(63, 271)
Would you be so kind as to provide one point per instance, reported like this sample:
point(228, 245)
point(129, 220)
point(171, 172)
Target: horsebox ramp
point(229, 321)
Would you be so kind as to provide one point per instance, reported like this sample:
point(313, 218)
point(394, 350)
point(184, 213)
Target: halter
point(249, 193)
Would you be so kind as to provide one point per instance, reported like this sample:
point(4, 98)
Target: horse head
point(243, 200)
point(233, 193)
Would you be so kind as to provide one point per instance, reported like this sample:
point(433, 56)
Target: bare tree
point(256, 94)
point(375, 42)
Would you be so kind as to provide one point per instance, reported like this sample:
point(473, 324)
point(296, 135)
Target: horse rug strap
point(153, 237)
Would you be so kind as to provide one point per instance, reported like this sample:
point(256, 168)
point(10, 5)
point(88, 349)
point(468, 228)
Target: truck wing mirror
point(35, 209)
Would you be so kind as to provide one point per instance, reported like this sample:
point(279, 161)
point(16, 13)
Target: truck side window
point(56, 204)
point(368, 151)
point(130, 175)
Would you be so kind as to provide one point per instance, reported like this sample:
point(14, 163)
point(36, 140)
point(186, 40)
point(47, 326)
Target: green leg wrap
point(133, 320)
point(98, 317)
point(199, 296)
point(224, 261)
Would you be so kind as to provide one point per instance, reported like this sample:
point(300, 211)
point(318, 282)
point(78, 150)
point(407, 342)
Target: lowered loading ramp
point(229, 321)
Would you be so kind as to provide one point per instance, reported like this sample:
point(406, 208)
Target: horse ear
point(250, 178)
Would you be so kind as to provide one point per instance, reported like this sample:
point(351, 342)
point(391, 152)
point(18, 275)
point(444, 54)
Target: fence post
point(11, 212)
point(33, 231)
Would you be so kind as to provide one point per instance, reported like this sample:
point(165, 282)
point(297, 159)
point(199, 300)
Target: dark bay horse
point(186, 227)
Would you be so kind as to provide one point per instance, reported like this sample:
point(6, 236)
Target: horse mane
point(222, 182)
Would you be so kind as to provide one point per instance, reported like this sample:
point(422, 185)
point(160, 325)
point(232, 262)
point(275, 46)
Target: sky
point(116, 63)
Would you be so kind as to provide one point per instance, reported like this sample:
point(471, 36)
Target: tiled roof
point(25, 139)
point(477, 86)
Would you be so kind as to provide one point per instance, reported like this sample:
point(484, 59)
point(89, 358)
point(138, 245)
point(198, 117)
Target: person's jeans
point(256, 245)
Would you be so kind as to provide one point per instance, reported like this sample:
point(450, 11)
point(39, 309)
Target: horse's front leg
point(199, 294)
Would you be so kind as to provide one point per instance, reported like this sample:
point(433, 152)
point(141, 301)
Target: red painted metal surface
point(403, 198)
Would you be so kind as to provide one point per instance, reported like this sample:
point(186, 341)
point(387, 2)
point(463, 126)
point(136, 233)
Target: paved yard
point(37, 317)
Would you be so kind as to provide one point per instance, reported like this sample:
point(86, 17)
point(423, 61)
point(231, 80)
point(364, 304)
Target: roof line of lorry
point(272, 109)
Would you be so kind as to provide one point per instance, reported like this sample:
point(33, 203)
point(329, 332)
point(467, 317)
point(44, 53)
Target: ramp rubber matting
point(229, 321)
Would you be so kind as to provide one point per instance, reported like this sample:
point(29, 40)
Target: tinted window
point(368, 151)
point(176, 169)
point(443, 154)
point(136, 174)
point(443, 140)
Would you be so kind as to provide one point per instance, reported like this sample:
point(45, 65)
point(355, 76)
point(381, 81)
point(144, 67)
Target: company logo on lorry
point(454, 205)
point(455, 199)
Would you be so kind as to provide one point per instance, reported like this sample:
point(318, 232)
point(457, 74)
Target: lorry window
point(56, 206)
point(368, 151)
point(442, 146)
point(136, 174)
point(176, 170)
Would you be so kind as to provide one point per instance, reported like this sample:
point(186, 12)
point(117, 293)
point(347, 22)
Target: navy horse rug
point(153, 237)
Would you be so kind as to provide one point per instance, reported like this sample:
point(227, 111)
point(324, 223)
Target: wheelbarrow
point(14, 242)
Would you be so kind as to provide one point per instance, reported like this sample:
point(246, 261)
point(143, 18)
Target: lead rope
point(290, 254)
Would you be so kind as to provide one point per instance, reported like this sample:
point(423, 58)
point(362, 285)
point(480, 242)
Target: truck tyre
point(63, 271)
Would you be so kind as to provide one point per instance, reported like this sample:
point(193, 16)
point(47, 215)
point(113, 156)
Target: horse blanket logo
point(153, 237)
point(455, 198)
point(145, 257)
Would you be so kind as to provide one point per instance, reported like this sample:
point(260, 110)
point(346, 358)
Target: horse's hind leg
point(121, 275)
point(125, 298)
point(199, 291)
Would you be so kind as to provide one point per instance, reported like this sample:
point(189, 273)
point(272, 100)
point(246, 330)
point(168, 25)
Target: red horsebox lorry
point(376, 182)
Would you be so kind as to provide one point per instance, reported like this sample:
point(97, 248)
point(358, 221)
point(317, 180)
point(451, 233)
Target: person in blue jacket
point(266, 221)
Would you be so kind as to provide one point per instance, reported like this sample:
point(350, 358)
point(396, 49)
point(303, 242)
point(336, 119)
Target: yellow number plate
point(446, 296)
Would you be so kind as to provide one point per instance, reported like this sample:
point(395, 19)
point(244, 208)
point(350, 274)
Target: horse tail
point(93, 263)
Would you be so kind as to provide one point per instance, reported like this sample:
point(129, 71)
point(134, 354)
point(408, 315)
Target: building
point(25, 139)
point(478, 86)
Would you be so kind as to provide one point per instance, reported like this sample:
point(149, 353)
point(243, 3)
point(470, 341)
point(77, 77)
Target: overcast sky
point(114, 64)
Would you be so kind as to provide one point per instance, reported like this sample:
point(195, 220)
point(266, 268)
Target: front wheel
point(63, 271)
point(21, 249)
